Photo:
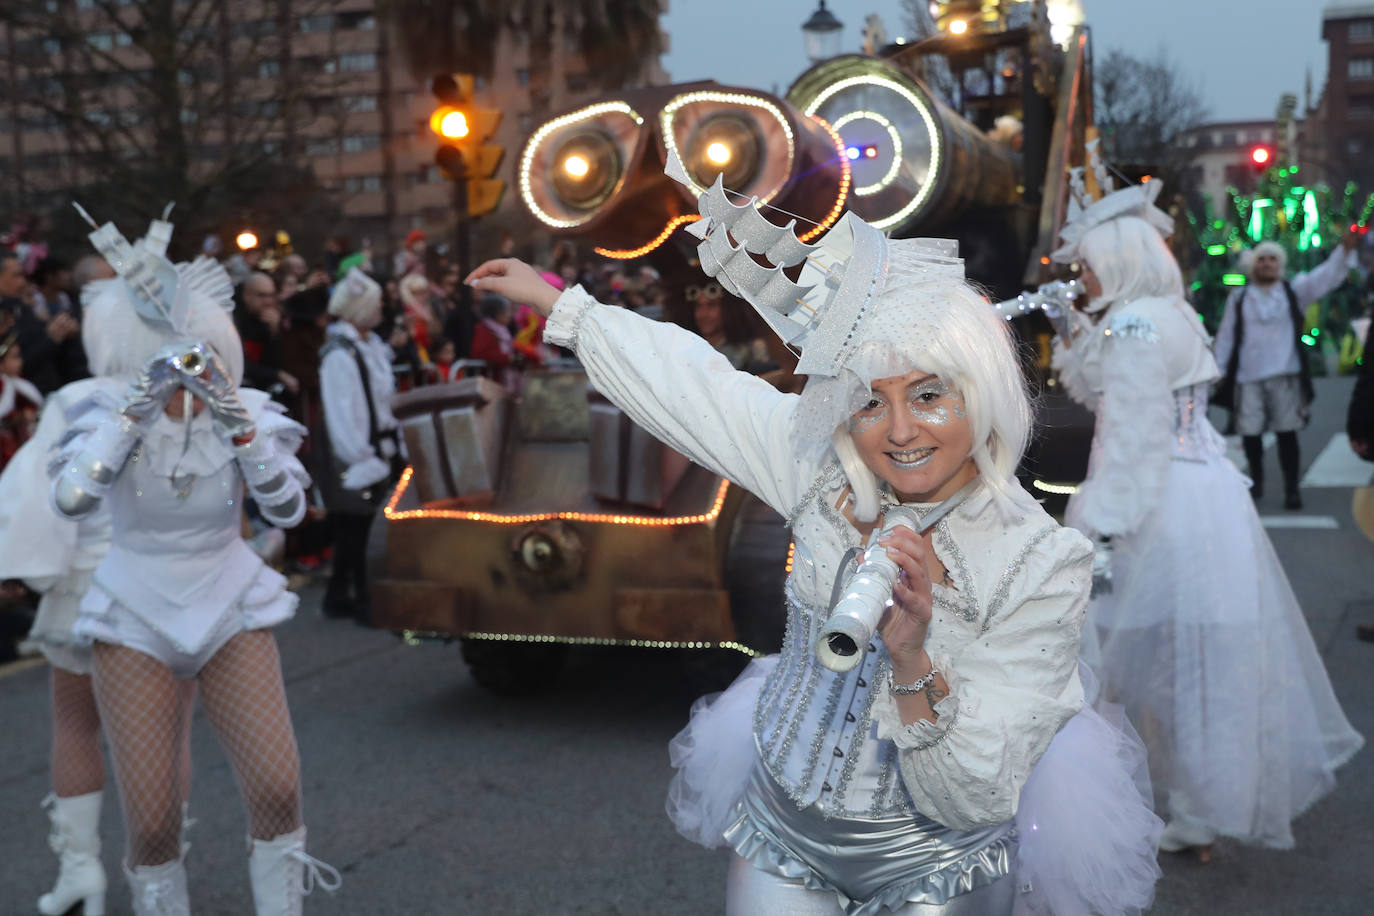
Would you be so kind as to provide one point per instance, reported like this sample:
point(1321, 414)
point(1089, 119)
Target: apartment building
point(1339, 142)
point(327, 81)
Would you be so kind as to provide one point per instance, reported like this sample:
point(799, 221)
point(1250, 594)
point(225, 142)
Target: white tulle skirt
point(1087, 837)
point(1202, 641)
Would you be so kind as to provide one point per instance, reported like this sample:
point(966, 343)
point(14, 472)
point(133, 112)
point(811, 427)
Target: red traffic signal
point(1262, 156)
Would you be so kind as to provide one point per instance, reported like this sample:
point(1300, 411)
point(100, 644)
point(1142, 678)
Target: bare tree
point(147, 101)
point(1142, 106)
point(616, 37)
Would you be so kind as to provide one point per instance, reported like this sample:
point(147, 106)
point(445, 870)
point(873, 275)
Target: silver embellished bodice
point(1194, 439)
point(815, 728)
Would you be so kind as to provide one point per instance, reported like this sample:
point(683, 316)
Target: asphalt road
point(433, 796)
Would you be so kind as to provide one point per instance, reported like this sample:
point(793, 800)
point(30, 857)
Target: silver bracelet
point(908, 689)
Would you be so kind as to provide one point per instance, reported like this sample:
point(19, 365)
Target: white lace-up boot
point(283, 874)
point(159, 890)
point(75, 837)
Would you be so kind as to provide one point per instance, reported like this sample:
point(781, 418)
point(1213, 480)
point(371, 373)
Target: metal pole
point(462, 235)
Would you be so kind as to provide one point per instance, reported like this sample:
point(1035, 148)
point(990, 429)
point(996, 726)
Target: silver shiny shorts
point(870, 862)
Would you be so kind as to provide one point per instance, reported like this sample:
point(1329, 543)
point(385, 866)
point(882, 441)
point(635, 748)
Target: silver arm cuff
point(83, 482)
point(269, 480)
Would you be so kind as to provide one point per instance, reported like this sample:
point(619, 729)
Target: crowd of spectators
point(436, 330)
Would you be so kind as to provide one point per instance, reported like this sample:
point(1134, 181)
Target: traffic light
point(463, 128)
point(1261, 157)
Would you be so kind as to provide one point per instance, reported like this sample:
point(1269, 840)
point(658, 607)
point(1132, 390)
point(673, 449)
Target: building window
point(326, 146)
point(360, 103)
point(526, 123)
point(269, 68)
point(52, 46)
point(101, 41)
point(361, 143)
point(1353, 145)
point(1360, 112)
point(357, 183)
point(317, 23)
point(1361, 31)
point(1228, 138)
point(363, 22)
point(357, 62)
point(522, 76)
point(1360, 68)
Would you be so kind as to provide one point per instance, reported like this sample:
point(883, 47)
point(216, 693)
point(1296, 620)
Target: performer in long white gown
point(179, 595)
point(1201, 637)
point(55, 557)
point(902, 783)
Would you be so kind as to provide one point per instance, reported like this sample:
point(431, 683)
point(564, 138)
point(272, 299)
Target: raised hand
point(517, 281)
point(206, 376)
point(904, 626)
point(153, 386)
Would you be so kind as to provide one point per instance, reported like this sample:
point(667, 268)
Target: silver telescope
point(865, 597)
point(1056, 299)
point(867, 593)
point(192, 362)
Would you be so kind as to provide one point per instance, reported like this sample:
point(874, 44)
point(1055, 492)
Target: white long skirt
point(1204, 644)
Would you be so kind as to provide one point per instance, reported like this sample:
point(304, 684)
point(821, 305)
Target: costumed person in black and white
point(1259, 348)
point(1201, 637)
point(179, 595)
point(356, 386)
point(956, 764)
point(56, 556)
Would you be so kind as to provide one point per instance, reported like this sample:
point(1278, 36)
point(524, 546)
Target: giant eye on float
point(573, 163)
point(903, 145)
point(597, 172)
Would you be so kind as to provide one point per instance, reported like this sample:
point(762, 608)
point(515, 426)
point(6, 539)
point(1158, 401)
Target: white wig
point(357, 299)
point(1246, 262)
point(1131, 261)
point(119, 342)
point(972, 351)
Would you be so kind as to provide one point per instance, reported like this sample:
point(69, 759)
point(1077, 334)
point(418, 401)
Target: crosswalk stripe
point(1326, 522)
point(1338, 466)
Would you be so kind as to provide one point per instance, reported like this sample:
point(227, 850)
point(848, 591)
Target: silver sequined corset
point(1194, 437)
point(814, 728)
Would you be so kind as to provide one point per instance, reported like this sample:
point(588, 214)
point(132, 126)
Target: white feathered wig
point(1130, 260)
point(119, 341)
point(357, 299)
point(1246, 261)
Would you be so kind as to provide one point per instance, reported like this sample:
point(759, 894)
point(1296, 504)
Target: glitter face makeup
point(921, 451)
point(931, 402)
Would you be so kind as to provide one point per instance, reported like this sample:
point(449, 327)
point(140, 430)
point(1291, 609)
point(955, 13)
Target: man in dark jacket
point(258, 317)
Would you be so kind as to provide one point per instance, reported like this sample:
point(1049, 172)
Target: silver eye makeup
point(872, 412)
point(923, 402)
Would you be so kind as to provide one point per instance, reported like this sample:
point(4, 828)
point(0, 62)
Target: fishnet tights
point(77, 765)
point(144, 713)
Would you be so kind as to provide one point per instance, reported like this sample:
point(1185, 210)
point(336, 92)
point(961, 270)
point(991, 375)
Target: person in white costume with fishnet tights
point(179, 595)
point(899, 784)
point(55, 556)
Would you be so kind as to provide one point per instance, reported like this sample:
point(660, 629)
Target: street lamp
point(823, 33)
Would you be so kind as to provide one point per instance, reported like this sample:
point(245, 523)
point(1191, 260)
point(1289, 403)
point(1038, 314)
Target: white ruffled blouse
point(1006, 634)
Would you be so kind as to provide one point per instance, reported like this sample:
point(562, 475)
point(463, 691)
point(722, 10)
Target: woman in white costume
point(896, 784)
point(55, 556)
point(179, 595)
point(1202, 639)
